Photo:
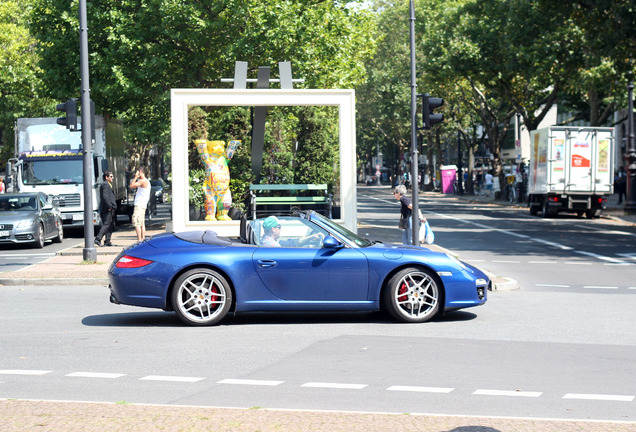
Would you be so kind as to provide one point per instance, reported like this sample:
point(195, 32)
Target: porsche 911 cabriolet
point(305, 262)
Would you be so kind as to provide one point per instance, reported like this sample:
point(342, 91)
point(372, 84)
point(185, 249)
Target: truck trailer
point(49, 158)
point(571, 170)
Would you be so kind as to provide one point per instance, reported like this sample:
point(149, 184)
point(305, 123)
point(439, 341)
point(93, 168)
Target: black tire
point(413, 295)
point(60, 233)
point(590, 214)
point(545, 211)
point(39, 239)
point(201, 297)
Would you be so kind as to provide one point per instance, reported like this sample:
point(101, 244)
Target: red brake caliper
point(402, 290)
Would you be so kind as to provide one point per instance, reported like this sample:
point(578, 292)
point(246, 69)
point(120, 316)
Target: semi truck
point(49, 158)
point(571, 170)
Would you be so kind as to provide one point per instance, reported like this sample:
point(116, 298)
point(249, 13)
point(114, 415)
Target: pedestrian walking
point(620, 184)
point(141, 183)
point(107, 210)
point(406, 213)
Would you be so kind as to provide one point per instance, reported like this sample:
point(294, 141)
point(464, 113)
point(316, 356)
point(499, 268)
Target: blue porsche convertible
point(304, 262)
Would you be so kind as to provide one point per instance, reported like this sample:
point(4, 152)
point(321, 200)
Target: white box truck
point(571, 170)
point(49, 158)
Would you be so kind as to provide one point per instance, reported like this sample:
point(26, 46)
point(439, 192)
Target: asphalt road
point(546, 350)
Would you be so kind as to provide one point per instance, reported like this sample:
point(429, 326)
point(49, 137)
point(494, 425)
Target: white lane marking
point(601, 257)
point(634, 288)
point(95, 375)
point(23, 372)
point(509, 262)
point(600, 287)
point(171, 378)
point(552, 285)
point(44, 254)
point(542, 262)
point(250, 382)
point(334, 385)
point(603, 397)
point(421, 389)
point(577, 263)
point(513, 393)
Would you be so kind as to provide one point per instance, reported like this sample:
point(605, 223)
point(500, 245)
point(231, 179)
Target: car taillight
point(128, 261)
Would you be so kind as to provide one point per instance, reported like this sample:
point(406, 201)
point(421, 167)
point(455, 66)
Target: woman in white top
point(141, 183)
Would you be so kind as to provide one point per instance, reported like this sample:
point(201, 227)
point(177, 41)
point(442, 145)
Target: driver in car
point(271, 237)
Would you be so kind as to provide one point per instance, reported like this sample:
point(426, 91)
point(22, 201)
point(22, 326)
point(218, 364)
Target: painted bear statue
point(218, 198)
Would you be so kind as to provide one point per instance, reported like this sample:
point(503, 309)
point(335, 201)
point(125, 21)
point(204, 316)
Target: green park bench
point(263, 195)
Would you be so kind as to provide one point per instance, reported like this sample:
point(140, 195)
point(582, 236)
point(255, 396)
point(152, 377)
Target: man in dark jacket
point(107, 208)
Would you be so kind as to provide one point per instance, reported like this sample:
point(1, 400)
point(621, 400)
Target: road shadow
point(474, 429)
point(169, 319)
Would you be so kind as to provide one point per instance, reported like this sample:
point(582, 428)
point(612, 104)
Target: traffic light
point(70, 108)
point(428, 105)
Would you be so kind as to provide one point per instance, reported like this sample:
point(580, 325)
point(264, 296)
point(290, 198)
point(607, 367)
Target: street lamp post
point(414, 152)
point(630, 156)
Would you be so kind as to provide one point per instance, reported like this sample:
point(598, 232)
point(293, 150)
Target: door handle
point(266, 263)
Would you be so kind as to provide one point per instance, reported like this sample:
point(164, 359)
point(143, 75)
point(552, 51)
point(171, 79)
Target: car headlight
point(481, 282)
point(25, 224)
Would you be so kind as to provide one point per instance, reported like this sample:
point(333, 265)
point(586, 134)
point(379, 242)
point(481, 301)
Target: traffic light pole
point(414, 152)
point(89, 251)
point(630, 196)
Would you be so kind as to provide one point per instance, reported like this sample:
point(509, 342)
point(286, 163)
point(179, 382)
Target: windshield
point(18, 203)
point(52, 172)
point(354, 238)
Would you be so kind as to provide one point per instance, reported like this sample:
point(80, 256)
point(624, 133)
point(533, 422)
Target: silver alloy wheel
point(414, 295)
point(39, 239)
point(60, 234)
point(201, 297)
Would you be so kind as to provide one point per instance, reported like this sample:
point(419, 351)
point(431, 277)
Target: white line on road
point(509, 262)
point(542, 262)
point(601, 257)
point(44, 254)
point(95, 375)
point(23, 372)
point(514, 393)
point(618, 398)
point(334, 385)
point(250, 382)
point(600, 287)
point(421, 389)
point(171, 378)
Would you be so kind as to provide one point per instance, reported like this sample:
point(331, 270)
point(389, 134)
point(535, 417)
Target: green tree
point(19, 94)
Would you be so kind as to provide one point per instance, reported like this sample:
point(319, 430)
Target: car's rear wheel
point(413, 295)
point(201, 297)
point(39, 237)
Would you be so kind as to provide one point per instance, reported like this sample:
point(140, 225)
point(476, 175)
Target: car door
point(313, 274)
point(46, 213)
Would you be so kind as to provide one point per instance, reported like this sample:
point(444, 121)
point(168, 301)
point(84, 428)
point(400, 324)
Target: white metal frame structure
point(183, 99)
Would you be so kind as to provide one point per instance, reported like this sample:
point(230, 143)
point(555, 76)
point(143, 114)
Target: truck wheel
point(545, 210)
point(590, 214)
point(533, 209)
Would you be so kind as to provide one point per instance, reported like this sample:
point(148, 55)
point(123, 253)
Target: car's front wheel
point(201, 297)
point(60, 234)
point(413, 295)
point(39, 237)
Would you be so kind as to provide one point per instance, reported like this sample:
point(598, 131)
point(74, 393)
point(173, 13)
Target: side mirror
point(331, 243)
